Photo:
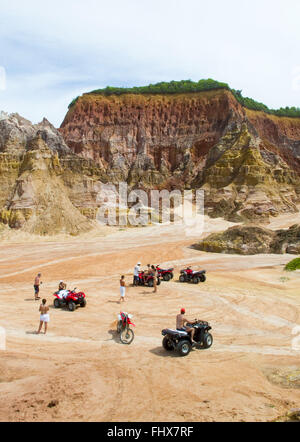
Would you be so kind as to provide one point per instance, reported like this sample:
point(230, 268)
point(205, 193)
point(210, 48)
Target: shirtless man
point(147, 272)
point(181, 320)
point(44, 316)
point(122, 289)
point(154, 273)
point(37, 282)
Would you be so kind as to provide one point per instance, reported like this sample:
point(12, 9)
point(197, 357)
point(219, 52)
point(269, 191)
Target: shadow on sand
point(160, 351)
point(114, 336)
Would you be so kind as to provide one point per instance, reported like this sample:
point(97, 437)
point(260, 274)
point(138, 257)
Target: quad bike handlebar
point(196, 321)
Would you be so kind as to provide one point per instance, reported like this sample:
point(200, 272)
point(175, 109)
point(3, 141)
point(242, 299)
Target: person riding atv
point(181, 320)
point(62, 286)
point(62, 290)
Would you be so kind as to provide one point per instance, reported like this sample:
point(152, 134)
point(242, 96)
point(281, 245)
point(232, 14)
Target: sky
point(51, 52)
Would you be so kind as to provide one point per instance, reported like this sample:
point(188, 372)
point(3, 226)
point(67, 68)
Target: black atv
point(189, 275)
point(181, 340)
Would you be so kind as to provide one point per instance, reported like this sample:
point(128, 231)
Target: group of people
point(144, 274)
point(137, 274)
point(44, 309)
point(181, 320)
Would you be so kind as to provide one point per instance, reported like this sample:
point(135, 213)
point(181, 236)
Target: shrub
point(189, 86)
point(73, 102)
point(293, 265)
point(172, 87)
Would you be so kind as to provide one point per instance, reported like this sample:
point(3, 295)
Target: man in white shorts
point(122, 288)
point(44, 316)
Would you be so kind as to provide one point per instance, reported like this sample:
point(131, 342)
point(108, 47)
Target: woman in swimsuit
point(44, 317)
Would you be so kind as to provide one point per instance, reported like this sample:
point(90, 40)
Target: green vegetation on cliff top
point(189, 86)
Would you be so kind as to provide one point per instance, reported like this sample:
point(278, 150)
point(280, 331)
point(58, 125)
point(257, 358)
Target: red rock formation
point(248, 162)
point(157, 131)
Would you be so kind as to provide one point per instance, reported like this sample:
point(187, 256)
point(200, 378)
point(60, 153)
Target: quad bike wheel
point(196, 280)
point(172, 275)
point(167, 277)
point(150, 283)
point(83, 303)
point(181, 278)
point(127, 336)
point(71, 306)
point(56, 303)
point(207, 340)
point(202, 278)
point(158, 281)
point(184, 347)
point(167, 345)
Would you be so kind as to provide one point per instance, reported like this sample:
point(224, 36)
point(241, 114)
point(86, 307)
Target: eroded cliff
point(247, 162)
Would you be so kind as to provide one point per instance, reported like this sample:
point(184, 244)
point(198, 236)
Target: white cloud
point(52, 51)
point(2, 79)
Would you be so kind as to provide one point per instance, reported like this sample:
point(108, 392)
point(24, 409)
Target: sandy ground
point(80, 371)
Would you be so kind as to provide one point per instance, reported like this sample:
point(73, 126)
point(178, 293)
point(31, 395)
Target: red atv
point(70, 299)
point(147, 279)
point(189, 275)
point(165, 274)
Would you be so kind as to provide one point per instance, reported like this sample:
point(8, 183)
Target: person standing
point(154, 273)
point(122, 289)
point(44, 316)
point(36, 285)
point(136, 272)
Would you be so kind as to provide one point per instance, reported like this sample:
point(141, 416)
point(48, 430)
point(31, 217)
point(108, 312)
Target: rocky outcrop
point(16, 133)
point(247, 162)
point(34, 192)
point(251, 240)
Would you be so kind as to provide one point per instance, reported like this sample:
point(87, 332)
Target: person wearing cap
point(181, 320)
point(136, 272)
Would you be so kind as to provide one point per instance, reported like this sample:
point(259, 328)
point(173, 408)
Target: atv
point(165, 274)
point(70, 299)
point(147, 280)
point(189, 275)
point(181, 342)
